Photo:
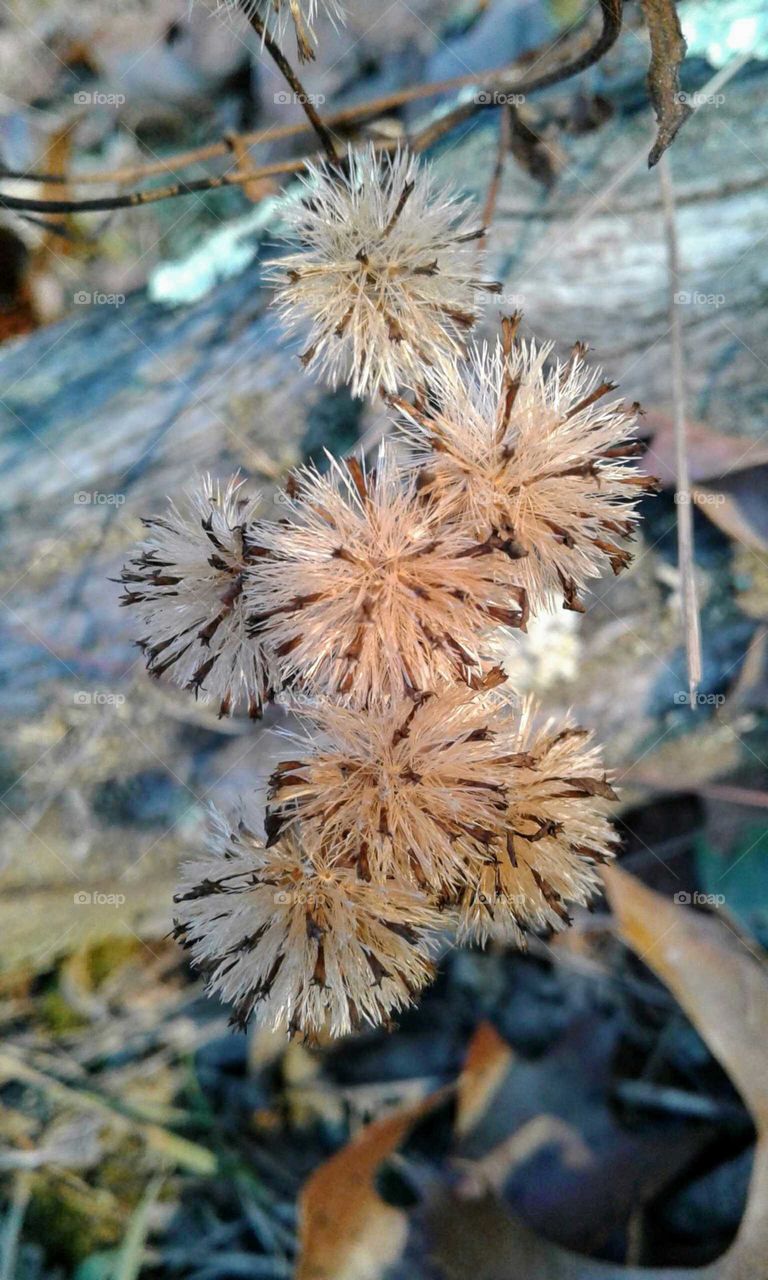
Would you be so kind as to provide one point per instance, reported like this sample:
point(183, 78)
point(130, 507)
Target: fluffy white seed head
point(384, 276)
point(185, 587)
point(556, 834)
point(369, 589)
point(296, 943)
point(534, 455)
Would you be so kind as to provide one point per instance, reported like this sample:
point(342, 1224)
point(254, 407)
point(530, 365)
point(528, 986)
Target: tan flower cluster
point(420, 800)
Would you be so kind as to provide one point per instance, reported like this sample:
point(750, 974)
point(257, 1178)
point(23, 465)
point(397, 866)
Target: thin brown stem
point(291, 78)
point(502, 151)
point(685, 540)
point(103, 204)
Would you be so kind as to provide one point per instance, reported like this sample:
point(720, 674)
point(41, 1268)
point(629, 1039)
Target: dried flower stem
point(685, 548)
point(494, 186)
point(300, 93)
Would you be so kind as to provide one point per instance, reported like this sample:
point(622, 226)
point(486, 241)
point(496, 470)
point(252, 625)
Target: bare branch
point(498, 83)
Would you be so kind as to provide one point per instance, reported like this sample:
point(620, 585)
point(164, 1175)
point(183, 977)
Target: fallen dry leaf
point(737, 506)
point(716, 978)
point(722, 984)
point(488, 1060)
point(723, 987)
point(548, 1142)
point(17, 314)
point(712, 455)
point(728, 475)
point(347, 1232)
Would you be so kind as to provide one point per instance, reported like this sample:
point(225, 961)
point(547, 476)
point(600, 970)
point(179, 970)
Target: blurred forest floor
point(576, 1098)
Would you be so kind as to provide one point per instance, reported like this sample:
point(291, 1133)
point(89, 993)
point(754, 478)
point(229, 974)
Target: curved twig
point(612, 11)
point(346, 117)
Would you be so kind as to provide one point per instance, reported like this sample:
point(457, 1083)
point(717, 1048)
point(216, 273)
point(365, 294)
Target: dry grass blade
point(131, 1255)
point(170, 1147)
point(686, 561)
point(12, 1225)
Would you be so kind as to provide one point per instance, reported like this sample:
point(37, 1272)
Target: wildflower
point(415, 789)
point(534, 458)
point(385, 273)
point(557, 832)
point(367, 589)
point(296, 943)
point(186, 586)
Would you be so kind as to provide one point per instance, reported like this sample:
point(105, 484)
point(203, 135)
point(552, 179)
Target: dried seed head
point(557, 832)
point(276, 15)
point(368, 590)
point(411, 789)
point(385, 276)
point(297, 944)
point(185, 584)
point(537, 457)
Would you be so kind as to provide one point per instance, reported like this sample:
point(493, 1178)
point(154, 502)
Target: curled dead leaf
point(347, 1231)
point(722, 984)
point(668, 49)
